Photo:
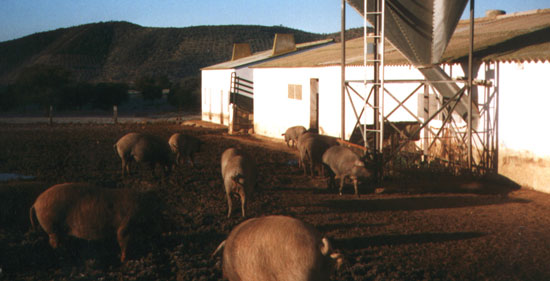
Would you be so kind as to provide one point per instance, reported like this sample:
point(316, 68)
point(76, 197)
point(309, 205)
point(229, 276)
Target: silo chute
point(421, 30)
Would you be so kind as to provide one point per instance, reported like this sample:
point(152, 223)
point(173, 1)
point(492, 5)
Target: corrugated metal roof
point(265, 55)
point(420, 29)
point(523, 36)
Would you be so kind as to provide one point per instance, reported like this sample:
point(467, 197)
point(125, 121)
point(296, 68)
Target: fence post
point(231, 117)
point(50, 114)
point(115, 114)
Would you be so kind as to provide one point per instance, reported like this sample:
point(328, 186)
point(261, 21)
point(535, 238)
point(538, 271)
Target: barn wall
point(524, 99)
point(275, 112)
point(215, 86)
point(523, 110)
point(524, 153)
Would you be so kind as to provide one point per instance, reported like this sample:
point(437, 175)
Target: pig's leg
point(54, 240)
point(124, 166)
point(190, 156)
point(122, 238)
point(355, 186)
point(342, 178)
point(243, 203)
point(229, 204)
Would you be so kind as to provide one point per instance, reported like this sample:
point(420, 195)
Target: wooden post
point(231, 117)
point(115, 114)
point(50, 114)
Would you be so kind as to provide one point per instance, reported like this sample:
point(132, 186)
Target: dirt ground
point(393, 234)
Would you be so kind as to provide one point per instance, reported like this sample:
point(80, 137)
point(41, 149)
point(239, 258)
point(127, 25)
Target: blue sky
point(19, 18)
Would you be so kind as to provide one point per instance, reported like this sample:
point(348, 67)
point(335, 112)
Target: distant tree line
point(41, 86)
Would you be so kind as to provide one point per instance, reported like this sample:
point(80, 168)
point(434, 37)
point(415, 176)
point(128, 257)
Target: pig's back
point(273, 248)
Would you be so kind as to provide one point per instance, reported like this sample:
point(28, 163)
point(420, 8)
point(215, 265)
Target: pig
point(184, 146)
point(292, 134)
point(311, 147)
point(343, 162)
point(92, 213)
point(136, 147)
point(276, 248)
point(239, 173)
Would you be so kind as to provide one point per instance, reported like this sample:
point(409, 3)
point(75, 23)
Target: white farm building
point(221, 82)
point(512, 58)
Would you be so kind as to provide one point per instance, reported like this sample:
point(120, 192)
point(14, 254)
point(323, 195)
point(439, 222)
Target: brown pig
point(143, 148)
point(343, 162)
point(239, 173)
point(311, 147)
point(292, 134)
point(274, 248)
point(93, 213)
point(184, 146)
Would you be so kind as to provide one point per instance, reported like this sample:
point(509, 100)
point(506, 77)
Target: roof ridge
point(514, 14)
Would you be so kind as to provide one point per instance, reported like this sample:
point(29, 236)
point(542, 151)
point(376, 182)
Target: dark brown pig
point(239, 173)
point(184, 146)
point(343, 163)
point(274, 248)
point(136, 147)
point(92, 213)
point(292, 134)
point(311, 147)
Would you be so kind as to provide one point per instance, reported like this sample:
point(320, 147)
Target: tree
point(151, 86)
point(109, 94)
point(7, 97)
point(42, 85)
point(76, 96)
point(186, 93)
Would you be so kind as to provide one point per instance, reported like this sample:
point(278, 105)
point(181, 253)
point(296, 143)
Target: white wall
point(215, 85)
point(524, 107)
point(274, 112)
point(524, 154)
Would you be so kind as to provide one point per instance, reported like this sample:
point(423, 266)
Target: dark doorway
point(314, 105)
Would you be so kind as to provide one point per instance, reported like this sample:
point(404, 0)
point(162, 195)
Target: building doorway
point(314, 105)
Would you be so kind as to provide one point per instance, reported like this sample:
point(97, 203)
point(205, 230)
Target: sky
point(19, 18)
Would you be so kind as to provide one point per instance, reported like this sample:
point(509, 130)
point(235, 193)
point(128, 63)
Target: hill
point(122, 51)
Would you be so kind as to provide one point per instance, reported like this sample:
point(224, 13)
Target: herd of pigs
point(253, 250)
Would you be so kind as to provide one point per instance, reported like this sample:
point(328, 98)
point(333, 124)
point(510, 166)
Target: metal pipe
point(497, 101)
point(470, 84)
point(426, 116)
point(376, 77)
point(343, 72)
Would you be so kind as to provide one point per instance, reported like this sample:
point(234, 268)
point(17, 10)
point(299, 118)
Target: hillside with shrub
point(143, 58)
point(122, 51)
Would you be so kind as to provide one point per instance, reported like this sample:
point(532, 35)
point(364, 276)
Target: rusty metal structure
point(465, 137)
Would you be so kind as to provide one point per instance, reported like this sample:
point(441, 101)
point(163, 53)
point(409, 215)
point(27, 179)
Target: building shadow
point(402, 239)
point(323, 228)
point(415, 203)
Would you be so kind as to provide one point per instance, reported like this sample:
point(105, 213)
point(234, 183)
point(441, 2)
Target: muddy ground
point(408, 234)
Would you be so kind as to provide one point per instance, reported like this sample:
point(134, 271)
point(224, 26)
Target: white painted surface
point(524, 107)
point(215, 85)
point(274, 112)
